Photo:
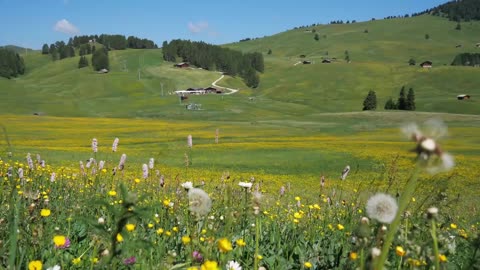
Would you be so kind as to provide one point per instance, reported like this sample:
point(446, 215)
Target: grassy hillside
point(379, 61)
point(287, 91)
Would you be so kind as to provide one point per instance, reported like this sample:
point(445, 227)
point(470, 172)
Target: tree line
point(405, 101)
point(459, 10)
point(11, 63)
point(467, 59)
point(212, 57)
point(86, 45)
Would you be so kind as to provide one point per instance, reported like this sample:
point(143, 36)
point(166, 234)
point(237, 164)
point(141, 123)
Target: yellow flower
point(168, 233)
point(340, 227)
point(204, 231)
point(76, 260)
point(119, 238)
point(192, 268)
point(45, 212)
point(112, 193)
point(94, 260)
point(241, 243)
point(210, 265)
point(442, 258)
point(296, 220)
point(453, 225)
point(353, 256)
point(130, 227)
point(308, 265)
point(166, 202)
point(224, 245)
point(35, 265)
point(59, 240)
point(175, 229)
point(259, 256)
point(400, 251)
point(297, 198)
point(160, 231)
point(186, 239)
point(137, 180)
point(297, 215)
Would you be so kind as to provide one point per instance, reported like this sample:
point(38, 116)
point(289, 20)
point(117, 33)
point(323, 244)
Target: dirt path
point(232, 91)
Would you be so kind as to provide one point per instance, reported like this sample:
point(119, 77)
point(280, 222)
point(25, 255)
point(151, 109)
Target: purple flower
point(130, 261)
point(197, 256)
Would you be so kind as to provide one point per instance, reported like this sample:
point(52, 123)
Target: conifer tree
point(45, 49)
point(401, 104)
point(370, 102)
point(410, 102)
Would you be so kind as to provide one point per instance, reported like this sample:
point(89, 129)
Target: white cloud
point(64, 26)
point(197, 27)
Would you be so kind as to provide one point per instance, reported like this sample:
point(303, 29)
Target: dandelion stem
point(404, 200)
point(257, 241)
point(433, 231)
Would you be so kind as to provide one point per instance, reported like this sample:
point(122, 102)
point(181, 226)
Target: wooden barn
point(182, 65)
point(426, 64)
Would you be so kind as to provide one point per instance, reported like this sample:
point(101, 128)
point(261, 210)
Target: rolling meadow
point(253, 179)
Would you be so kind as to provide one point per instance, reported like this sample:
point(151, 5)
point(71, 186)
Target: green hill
point(379, 52)
point(17, 49)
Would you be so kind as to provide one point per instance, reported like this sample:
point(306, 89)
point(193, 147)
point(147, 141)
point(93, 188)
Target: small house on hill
point(182, 65)
point(463, 97)
point(326, 61)
point(306, 62)
point(212, 90)
point(426, 64)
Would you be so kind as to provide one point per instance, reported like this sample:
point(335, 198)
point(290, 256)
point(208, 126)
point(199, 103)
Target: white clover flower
point(200, 202)
point(115, 145)
point(245, 184)
point(382, 207)
point(56, 267)
point(187, 185)
point(233, 265)
point(94, 145)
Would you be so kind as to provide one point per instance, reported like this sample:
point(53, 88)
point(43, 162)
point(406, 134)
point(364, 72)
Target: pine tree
point(100, 59)
point(83, 62)
point(370, 102)
point(410, 103)
point(316, 37)
point(401, 104)
point(45, 49)
point(390, 105)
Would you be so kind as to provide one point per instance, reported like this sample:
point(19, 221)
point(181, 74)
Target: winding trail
point(232, 91)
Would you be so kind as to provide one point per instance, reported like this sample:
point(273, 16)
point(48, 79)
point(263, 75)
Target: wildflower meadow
point(103, 199)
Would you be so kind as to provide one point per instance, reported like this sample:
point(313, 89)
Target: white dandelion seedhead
point(428, 150)
point(30, 162)
point(20, 173)
point(187, 185)
point(200, 202)
point(52, 177)
point(382, 207)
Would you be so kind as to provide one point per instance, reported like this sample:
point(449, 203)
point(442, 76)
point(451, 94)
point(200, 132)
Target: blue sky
point(31, 23)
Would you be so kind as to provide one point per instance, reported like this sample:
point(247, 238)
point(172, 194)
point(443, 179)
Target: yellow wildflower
point(308, 265)
point(130, 227)
point(76, 260)
point(442, 258)
point(241, 243)
point(297, 198)
point(45, 212)
point(35, 265)
point(224, 245)
point(353, 256)
point(112, 193)
point(453, 225)
point(400, 251)
point(186, 239)
point(119, 238)
point(137, 180)
point(340, 227)
point(210, 265)
point(160, 231)
point(59, 240)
